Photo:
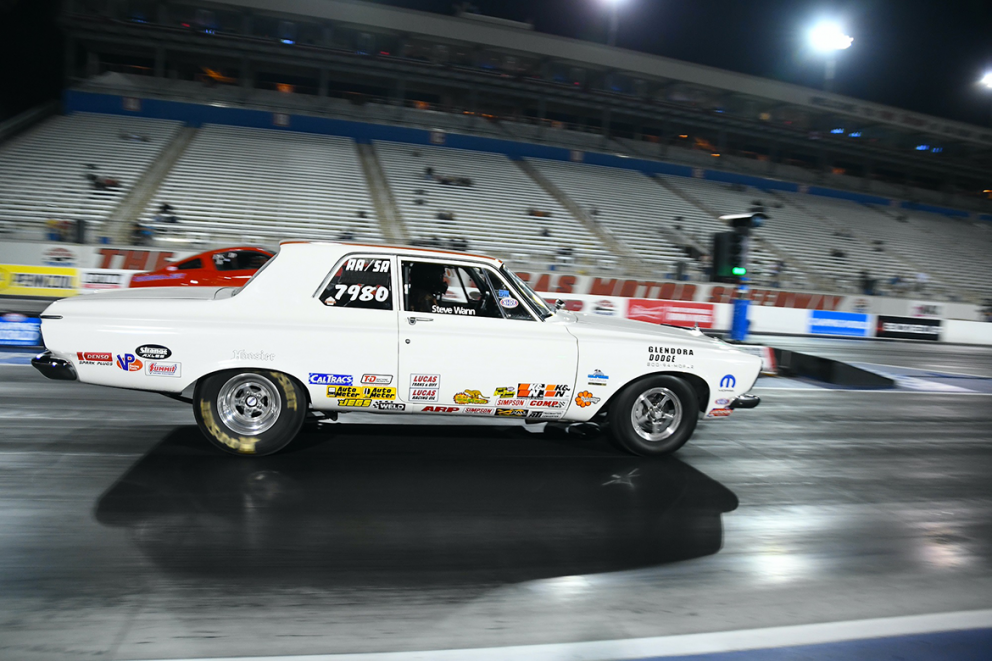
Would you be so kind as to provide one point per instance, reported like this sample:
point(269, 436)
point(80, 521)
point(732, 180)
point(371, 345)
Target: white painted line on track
point(887, 391)
point(681, 645)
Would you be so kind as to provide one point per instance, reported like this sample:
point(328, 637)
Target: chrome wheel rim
point(656, 414)
point(249, 404)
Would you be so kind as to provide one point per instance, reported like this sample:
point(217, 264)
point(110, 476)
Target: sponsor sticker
point(424, 394)
point(241, 354)
point(665, 356)
point(355, 403)
point(95, 358)
point(129, 362)
point(719, 413)
point(425, 380)
point(544, 415)
point(440, 409)
point(471, 397)
point(722, 402)
point(728, 382)
point(319, 379)
point(388, 406)
point(548, 404)
point(508, 303)
point(360, 392)
point(510, 402)
point(542, 390)
point(163, 369)
point(597, 375)
point(377, 379)
point(475, 410)
point(153, 351)
point(505, 392)
point(511, 413)
point(585, 398)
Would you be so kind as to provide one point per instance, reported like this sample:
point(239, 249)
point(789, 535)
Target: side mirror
point(559, 304)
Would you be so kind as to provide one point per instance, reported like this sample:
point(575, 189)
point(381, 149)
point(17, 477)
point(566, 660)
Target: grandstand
point(43, 173)
point(253, 185)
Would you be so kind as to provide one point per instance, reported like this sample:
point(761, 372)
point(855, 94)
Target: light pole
point(986, 82)
point(828, 38)
point(611, 40)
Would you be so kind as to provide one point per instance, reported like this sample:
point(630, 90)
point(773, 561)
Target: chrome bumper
point(745, 402)
point(54, 368)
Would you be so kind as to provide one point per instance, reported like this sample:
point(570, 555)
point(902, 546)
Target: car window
point(360, 282)
point(239, 260)
point(510, 302)
point(468, 291)
point(190, 264)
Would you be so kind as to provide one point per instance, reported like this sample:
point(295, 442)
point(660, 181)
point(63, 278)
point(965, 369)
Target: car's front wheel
point(654, 416)
point(249, 412)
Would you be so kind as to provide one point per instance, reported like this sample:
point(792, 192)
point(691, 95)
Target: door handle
point(414, 320)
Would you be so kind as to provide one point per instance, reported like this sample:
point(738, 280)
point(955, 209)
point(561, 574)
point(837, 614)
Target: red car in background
point(228, 267)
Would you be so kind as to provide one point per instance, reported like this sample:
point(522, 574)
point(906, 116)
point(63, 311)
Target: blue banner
point(16, 330)
point(848, 324)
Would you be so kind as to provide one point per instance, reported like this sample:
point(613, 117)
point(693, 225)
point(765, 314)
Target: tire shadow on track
point(405, 506)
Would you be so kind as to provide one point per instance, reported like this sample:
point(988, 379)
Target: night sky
point(922, 55)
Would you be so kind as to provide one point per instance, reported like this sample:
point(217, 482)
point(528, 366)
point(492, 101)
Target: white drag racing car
point(331, 328)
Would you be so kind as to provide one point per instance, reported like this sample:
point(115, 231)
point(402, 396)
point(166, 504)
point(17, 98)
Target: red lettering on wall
point(542, 283)
point(688, 293)
point(628, 289)
point(601, 287)
point(667, 291)
point(108, 255)
point(162, 260)
point(135, 260)
point(566, 284)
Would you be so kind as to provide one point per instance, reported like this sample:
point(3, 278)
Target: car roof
point(402, 250)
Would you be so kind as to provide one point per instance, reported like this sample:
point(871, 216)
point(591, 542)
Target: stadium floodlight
point(829, 37)
point(611, 39)
point(986, 80)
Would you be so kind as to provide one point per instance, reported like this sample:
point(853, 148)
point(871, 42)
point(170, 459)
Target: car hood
point(630, 329)
point(193, 293)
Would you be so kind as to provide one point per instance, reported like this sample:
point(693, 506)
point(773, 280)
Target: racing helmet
point(428, 278)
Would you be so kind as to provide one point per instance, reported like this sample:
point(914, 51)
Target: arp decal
point(585, 398)
point(377, 379)
point(129, 362)
point(153, 351)
point(95, 358)
point(471, 397)
point(163, 369)
point(440, 409)
point(542, 391)
point(511, 413)
point(318, 379)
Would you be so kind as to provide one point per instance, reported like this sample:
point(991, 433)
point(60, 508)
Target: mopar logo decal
point(728, 382)
point(331, 379)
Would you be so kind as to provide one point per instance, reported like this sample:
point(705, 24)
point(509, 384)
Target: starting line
point(963, 635)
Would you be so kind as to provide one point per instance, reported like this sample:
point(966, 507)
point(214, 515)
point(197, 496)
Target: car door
point(471, 345)
point(353, 357)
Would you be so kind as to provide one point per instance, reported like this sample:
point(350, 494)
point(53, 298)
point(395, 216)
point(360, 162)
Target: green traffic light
point(739, 270)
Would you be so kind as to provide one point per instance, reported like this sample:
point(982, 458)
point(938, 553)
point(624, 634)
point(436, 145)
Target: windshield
point(540, 305)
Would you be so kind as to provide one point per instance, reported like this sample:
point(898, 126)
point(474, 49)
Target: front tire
point(654, 416)
point(249, 412)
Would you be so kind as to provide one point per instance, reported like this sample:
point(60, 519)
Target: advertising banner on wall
point(847, 324)
point(908, 328)
point(91, 280)
point(16, 330)
point(37, 281)
point(673, 313)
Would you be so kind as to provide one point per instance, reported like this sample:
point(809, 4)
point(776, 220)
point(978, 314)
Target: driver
point(427, 286)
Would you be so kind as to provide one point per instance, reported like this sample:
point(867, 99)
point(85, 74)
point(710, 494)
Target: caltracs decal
point(95, 358)
point(319, 379)
point(471, 397)
point(129, 362)
point(360, 392)
point(153, 351)
point(505, 392)
point(376, 379)
point(439, 409)
point(585, 398)
point(719, 413)
point(511, 413)
point(544, 415)
point(542, 390)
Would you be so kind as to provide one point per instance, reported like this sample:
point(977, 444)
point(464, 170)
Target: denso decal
point(542, 390)
point(425, 380)
point(129, 362)
point(153, 351)
point(511, 413)
point(94, 358)
point(377, 379)
point(163, 369)
point(718, 413)
point(471, 397)
point(388, 406)
point(424, 394)
point(440, 409)
point(585, 398)
point(331, 379)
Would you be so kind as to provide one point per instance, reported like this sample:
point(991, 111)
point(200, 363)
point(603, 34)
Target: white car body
point(391, 359)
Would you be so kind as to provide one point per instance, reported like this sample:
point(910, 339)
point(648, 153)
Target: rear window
point(190, 264)
point(360, 282)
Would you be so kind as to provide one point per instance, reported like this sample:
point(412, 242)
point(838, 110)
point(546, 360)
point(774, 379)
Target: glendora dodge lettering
point(667, 354)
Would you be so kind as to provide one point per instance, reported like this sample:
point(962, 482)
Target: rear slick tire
point(249, 412)
point(654, 416)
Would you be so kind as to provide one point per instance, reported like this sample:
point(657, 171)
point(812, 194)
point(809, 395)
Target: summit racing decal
point(163, 369)
point(318, 379)
point(471, 397)
point(585, 398)
point(94, 358)
point(153, 351)
point(129, 362)
point(542, 391)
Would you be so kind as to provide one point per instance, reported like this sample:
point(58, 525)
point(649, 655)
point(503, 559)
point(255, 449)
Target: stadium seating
point(43, 172)
point(491, 214)
point(251, 185)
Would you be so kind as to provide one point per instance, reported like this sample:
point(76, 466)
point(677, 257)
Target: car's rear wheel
point(654, 416)
point(249, 412)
